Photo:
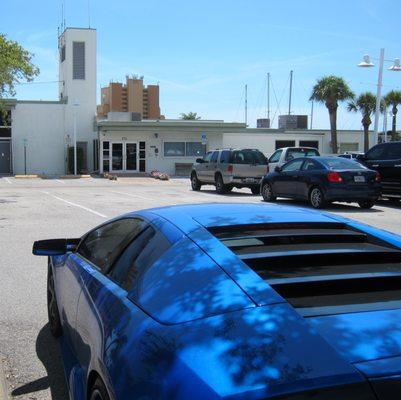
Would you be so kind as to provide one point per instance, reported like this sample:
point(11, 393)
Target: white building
point(42, 130)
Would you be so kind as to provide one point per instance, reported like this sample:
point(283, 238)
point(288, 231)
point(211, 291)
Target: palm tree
point(330, 90)
point(366, 104)
point(190, 115)
point(393, 99)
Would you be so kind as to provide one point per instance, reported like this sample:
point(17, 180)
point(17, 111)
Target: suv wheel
point(366, 204)
point(221, 188)
point(255, 189)
point(195, 183)
point(316, 198)
point(267, 192)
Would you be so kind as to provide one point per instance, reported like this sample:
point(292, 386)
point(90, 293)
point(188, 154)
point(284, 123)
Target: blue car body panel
point(203, 325)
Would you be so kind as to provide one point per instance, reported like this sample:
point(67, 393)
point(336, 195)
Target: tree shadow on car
point(48, 352)
point(341, 207)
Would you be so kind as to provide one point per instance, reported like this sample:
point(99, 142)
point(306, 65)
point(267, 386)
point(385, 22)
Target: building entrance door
point(131, 155)
point(117, 157)
point(124, 157)
point(5, 157)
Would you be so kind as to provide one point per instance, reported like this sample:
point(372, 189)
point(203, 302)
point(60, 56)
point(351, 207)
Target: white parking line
point(76, 205)
point(8, 181)
point(135, 195)
point(60, 181)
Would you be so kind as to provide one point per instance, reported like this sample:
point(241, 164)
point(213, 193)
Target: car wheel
point(195, 183)
point(267, 192)
point(52, 307)
point(316, 198)
point(255, 189)
point(221, 188)
point(366, 204)
point(99, 391)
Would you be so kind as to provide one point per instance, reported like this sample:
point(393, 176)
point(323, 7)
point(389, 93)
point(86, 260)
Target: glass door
point(116, 156)
point(131, 156)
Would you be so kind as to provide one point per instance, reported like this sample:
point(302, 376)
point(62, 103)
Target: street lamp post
point(76, 105)
point(367, 63)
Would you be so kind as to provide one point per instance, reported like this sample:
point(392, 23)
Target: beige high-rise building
point(132, 97)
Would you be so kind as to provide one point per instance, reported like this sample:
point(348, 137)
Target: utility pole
point(246, 105)
point(289, 101)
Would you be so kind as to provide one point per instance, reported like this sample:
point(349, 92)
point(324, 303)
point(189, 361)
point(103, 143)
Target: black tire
point(267, 192)
point(255, 189)
point(394, 200)
point(195, 183)
point(316, 197)
point(52, 307)
point(366, 204)
point(99, 391)
point(221, 188)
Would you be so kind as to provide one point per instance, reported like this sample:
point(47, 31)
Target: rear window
point(341, 163)
point(249, 157)
point(297, 153)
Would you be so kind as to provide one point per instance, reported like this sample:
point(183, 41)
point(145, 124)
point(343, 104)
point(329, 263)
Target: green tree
point(15, 65)
point(393, 99)
point(365, 103)
point(190, 115)
point(330, 90)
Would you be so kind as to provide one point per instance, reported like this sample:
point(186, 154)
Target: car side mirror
point(199, 160)
point(54, 247)
point(278, 168)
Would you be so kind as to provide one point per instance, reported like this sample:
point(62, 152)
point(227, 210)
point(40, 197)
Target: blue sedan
point(228, 301)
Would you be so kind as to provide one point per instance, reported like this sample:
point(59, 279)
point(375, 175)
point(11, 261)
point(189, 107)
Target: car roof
point(193, 216)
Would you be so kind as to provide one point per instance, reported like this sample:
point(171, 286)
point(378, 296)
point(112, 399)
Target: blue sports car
point(228, 301)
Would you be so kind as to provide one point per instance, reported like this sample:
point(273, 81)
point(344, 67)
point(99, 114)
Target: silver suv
point(229, 168)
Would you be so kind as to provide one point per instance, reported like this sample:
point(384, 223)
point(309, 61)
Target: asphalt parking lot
point(34, 209)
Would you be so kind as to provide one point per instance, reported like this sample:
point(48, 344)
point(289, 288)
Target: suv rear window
point(297, 153)
point(248, 157)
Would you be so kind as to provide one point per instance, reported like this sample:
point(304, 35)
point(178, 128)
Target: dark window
point(214, 156)
point(284, 143)
point(133, 263)
point(78, 60)
point(297, 153)
point(376, 153)
point(5, 132)
point(5, 118)
point(195, 149)
point(62, 53)
point(258, 157)
point(103, 245)
point(293, 165)
point(174, 149)
point(393, 152)
point(275, 157)
point(142, 165)
point(225, 157)
point(142, 145)
point(309, 143)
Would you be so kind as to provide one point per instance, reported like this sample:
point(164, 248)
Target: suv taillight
point(378, 177)
point(334, 177)
point(230, 168)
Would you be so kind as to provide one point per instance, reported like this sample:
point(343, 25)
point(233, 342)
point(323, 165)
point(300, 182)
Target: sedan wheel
point(316, 198)
point(267, 192)
point(52, 308)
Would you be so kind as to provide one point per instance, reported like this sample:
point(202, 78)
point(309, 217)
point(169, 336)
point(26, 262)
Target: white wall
point(43, 126)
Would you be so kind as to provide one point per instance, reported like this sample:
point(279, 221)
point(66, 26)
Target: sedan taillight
point(378, 177)
point(334, 177)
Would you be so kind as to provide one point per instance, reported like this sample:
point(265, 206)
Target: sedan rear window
point(341, 163)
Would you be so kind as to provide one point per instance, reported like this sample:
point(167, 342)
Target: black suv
point(386, 158)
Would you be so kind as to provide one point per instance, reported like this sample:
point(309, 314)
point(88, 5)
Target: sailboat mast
point(289, 101)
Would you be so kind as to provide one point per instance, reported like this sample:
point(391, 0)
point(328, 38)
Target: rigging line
point(260, 101)
point(281, 98)
point(36, 83)
point(239, 104)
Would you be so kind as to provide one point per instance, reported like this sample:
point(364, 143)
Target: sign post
point(25, 142)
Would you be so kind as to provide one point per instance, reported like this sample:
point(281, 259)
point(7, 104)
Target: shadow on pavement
point(48, 351)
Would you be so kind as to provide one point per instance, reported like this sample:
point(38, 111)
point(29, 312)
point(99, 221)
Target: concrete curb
point(73, 176)
point(26, 176)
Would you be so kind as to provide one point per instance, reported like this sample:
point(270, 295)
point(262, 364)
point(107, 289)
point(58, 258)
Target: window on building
point(103, 245)
point(284, 143)
point(142, 156)
point(140, 254)
point(62, 53)
point(106, 156)
point(78, 60)
point(309, 143)
point(174, 149)
point(195, 149)
point(343, 147)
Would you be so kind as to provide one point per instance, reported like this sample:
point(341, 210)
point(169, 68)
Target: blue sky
point(203, 53)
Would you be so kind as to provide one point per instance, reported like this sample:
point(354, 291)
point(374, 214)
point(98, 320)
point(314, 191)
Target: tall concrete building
point(132, 97)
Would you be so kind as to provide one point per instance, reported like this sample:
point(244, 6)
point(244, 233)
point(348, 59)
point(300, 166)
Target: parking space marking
point(76, 205)
point(8, 181)
point(136, 195)
point(60, 181)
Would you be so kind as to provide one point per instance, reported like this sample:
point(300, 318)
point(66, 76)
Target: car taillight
point(230, 168)
point(334, 177)
point(378, 177)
